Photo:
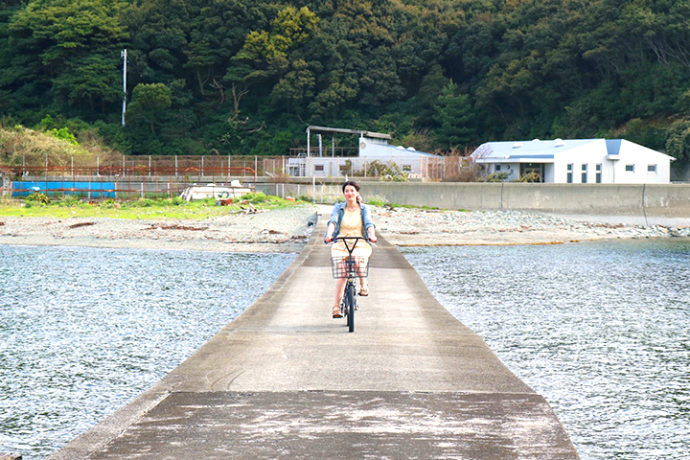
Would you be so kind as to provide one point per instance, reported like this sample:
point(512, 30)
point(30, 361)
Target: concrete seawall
point(668, 200)
point(639, 200)
point(285, 380)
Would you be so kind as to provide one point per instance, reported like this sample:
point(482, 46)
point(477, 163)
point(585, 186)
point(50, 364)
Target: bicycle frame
point(348, 304)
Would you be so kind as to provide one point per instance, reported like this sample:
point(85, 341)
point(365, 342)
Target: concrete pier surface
point(285, 380)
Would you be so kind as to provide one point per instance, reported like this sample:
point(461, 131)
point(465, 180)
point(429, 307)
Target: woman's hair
point(351, 182)
point(356, 186)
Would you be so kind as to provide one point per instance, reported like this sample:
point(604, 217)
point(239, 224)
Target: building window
point(598, 173)
point(629, 168)
point(498, 168)
point(318, 168)
point(407, 168)
point(570, 173)
point(584, 173)
point(651, 169)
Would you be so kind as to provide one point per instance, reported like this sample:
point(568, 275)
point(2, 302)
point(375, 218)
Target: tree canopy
point(246, 77)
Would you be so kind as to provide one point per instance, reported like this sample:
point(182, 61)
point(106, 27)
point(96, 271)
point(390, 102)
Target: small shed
point(372, 147)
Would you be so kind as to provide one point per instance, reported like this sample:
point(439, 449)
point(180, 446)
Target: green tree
point(678, 140)
point(9, 99)
point(240, 72)
point(158, 39)
point(216, 32)
point(423, 105)
point(265, 52)
point(295, 87)
point(77, 43)
point(149, 105)
point(455, 115)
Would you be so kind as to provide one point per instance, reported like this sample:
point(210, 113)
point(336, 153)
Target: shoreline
point(419, 227)
point(283, 230)
point(286, 230)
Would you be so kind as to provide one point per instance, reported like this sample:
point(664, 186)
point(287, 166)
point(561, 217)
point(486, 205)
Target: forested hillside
point(247, 76)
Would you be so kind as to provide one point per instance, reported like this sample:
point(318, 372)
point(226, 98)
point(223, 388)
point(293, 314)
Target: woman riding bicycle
point(351, 218)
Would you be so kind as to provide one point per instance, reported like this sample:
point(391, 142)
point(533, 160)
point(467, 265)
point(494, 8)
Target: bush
point(678, 140)
point(142, 203)
point(26, 146)
point(531, 176)
point(38, 198)
point(375, 168)
point(65, 135)
point(254, 198)
point(108, 204)
point(69, 201)
point(389, 171)
point(496, 177)
point(645, 133)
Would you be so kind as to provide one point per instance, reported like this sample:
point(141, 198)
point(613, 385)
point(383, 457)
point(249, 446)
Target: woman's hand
point(329, 233)
point(372, 235)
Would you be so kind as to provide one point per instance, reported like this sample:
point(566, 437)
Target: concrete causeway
point(285, 380)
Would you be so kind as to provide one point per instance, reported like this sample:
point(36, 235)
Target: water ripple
point(83, 330)
point(599, 329)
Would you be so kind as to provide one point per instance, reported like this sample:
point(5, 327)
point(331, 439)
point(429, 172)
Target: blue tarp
point(86, 189)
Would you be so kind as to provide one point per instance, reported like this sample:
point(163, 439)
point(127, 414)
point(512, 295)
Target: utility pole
point(124, 84)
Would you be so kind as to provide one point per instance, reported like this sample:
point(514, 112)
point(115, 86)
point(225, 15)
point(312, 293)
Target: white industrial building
point(372, 147)
point(576, 161)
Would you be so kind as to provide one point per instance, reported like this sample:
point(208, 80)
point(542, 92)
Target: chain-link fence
point(132, 177)
point(402, 168)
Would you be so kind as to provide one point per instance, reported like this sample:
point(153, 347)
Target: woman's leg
point(339, 289)
point(363, 282)
point(363, 286)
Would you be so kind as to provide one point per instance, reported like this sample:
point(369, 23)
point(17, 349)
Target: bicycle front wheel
point(350, 307)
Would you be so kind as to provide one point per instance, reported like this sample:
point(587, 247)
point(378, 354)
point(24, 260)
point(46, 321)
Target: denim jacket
point(337, 217)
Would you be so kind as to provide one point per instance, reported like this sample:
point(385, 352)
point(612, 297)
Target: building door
point(535, 171)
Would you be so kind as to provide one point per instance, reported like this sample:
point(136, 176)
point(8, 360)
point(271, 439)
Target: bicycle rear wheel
point(350, 307)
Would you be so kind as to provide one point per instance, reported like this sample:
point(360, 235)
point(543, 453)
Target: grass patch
point(168, 208)
point(397, 205)
point(382, 203)
point(376, 203)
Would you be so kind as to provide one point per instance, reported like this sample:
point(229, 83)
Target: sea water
point(601, 330)
point(83, 331)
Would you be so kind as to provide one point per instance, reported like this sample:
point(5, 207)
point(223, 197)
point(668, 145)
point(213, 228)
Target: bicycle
point(351, 267)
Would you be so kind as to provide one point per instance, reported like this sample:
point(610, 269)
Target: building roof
point(325, 129)
point(538, 151)
point(393, 151)
point(534, 150)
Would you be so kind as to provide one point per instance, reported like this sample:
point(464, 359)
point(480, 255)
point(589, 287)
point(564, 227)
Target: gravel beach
point(286, 230)
point(419, 227)
point(283, 230)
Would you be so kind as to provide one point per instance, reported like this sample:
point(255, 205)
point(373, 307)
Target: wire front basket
point(341, 266)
